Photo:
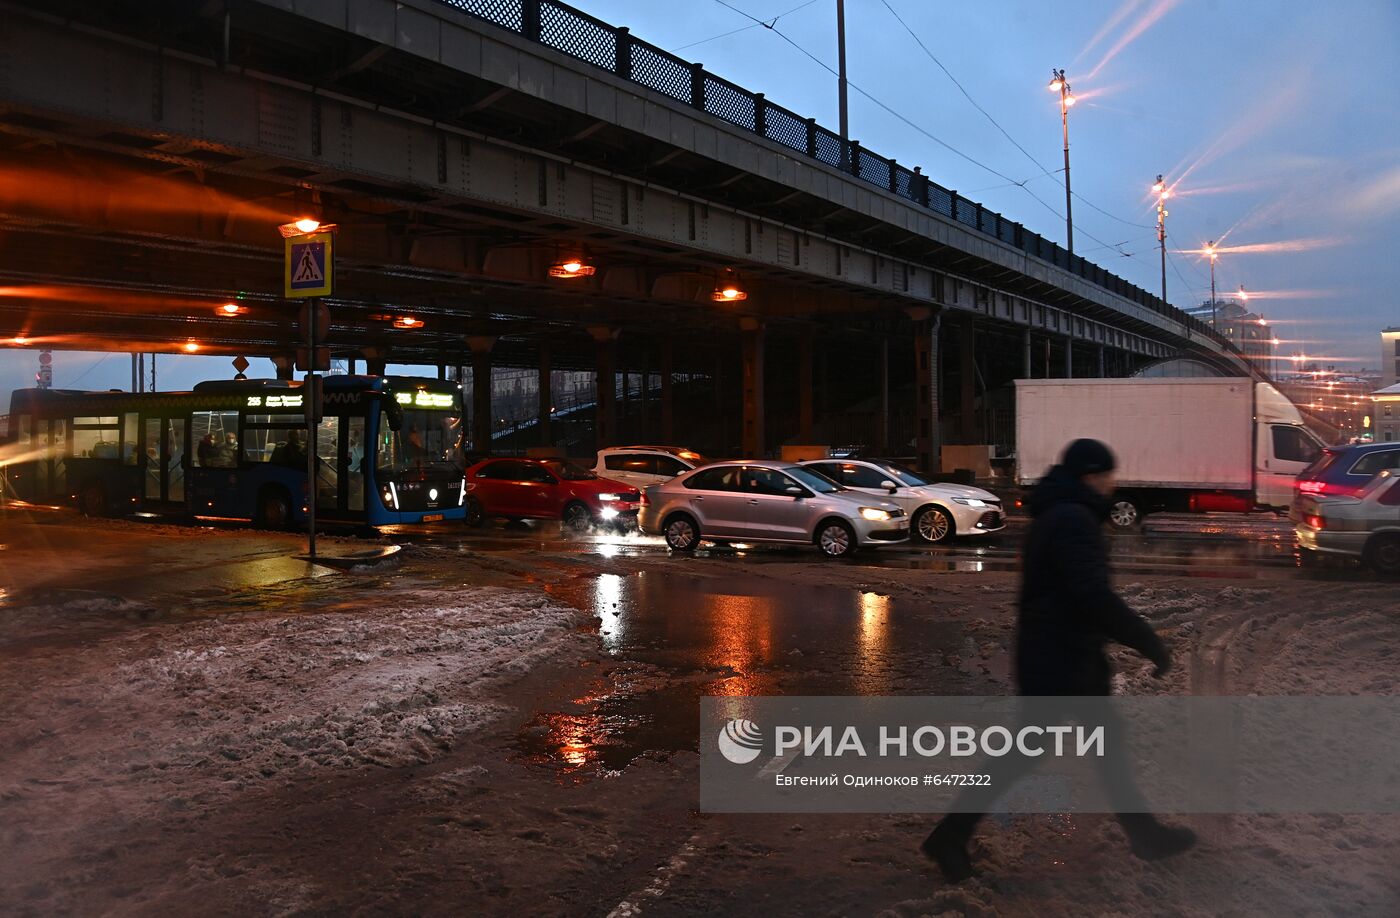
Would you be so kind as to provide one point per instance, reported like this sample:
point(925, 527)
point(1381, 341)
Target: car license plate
point(431, 517)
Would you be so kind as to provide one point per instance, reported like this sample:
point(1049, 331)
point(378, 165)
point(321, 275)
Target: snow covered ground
point(203, 725)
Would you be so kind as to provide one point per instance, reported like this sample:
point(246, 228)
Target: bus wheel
point(274, 509)
point(577, 518)
point(92, 500)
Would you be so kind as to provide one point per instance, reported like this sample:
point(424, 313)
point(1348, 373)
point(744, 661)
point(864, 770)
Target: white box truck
point(1183, 444)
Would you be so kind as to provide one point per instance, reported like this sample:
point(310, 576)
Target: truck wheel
point(1124, 513)
point(933, 524)
point(92, 500)
point(836, 539)
point(1383, 554)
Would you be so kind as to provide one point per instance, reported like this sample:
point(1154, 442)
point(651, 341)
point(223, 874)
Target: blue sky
point(1277, 122)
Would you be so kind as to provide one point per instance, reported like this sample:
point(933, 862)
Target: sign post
point(309, 272)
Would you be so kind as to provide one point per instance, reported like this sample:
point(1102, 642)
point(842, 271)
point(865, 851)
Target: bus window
point(95, 437)
point(388, 456)
point(176, 459)
point(355, 479)
point(152, 447)
point(58, 451)
point(215, 435)
point(260, 444)
point(328, 462)
point(129, 438)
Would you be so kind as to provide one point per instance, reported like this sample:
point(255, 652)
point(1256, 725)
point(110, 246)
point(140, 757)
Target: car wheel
point(1123, 514)
point(577, 518)
point(836, 539)
point(92, 501)
point(933, 524)
point(1383, 554)
point(476, 514)
point(682, 533)
point(274, 510)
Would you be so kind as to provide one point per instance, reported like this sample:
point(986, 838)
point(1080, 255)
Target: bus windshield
point(426, 440)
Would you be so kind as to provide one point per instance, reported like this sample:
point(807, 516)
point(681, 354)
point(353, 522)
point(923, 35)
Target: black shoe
point(1154, 841)
point(948, 849)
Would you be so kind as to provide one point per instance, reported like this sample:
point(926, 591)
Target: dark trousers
point(1114, 769)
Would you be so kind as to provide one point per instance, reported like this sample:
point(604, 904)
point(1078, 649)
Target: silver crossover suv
point(768, 502)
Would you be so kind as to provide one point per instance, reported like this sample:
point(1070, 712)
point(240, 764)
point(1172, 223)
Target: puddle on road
point(677, 638)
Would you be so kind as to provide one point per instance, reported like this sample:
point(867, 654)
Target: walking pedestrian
point(1068, 613)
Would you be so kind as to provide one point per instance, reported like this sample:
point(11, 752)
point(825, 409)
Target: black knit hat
point(1086, 457)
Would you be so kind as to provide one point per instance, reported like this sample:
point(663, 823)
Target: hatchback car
point(1342, 470)
point(937, 511)
point(768, 502)
point(547, 489)
point(1364, 525)
point(640, 466)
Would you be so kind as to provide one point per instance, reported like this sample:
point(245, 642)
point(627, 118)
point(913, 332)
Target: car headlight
point(874, 513)
point(609, 513)
point(607, 497)
point(969, 501)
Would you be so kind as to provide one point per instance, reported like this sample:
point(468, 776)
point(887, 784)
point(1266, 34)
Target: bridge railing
point(612, 48)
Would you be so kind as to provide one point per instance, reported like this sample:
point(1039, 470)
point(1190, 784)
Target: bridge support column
point(284, 366)
point(927, 437)
point(1069, 358)
point(967, 383)
point(751, 331)
point(1100, 359)
point(805, 383)
point(376, 360)
point(883, 421)
point(546, 397)
point(1027, 371)
point(481, 346)
point(605, 383)
point(668, 420)
point(1049, 372)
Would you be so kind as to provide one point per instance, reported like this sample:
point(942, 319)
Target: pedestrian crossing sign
point(309, 268)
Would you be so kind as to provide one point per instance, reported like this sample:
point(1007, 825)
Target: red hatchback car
point(547, 489)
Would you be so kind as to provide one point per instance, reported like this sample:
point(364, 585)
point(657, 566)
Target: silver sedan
point(768, 502)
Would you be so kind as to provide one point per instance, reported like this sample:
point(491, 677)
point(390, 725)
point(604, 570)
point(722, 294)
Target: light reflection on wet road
point(676, 638)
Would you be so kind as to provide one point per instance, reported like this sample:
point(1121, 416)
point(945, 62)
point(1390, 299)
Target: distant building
point(1390, 356)
point(1386, 414)
point(1246, 330)
point(1339, 400)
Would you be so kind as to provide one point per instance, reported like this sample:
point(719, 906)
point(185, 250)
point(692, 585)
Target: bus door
point(215, 480)
point(163, 440)
point(340, 467)
point(50, 446)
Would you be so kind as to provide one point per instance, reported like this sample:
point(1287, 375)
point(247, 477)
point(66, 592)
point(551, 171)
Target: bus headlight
point(874, 514)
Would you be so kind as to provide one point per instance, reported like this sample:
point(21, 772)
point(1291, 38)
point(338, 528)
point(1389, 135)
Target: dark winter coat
point(1068, 609)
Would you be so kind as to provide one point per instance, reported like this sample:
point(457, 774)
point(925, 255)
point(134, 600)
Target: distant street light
point(1163, 192)
point(1210, 250)
point(1059, 84)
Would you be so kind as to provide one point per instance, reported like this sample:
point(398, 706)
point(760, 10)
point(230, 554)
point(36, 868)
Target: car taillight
point(1315, 522)
point(1312, 487)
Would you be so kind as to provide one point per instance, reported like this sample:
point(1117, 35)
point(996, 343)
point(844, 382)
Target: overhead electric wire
point(988, 115)
point(886, 108)
point(753, 25)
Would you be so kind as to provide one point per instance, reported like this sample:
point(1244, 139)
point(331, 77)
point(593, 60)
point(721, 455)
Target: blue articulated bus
point(389, 451)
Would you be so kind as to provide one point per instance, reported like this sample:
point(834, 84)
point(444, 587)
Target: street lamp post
point(1162, 193)
point(1060, 84)
point(1214, 318)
